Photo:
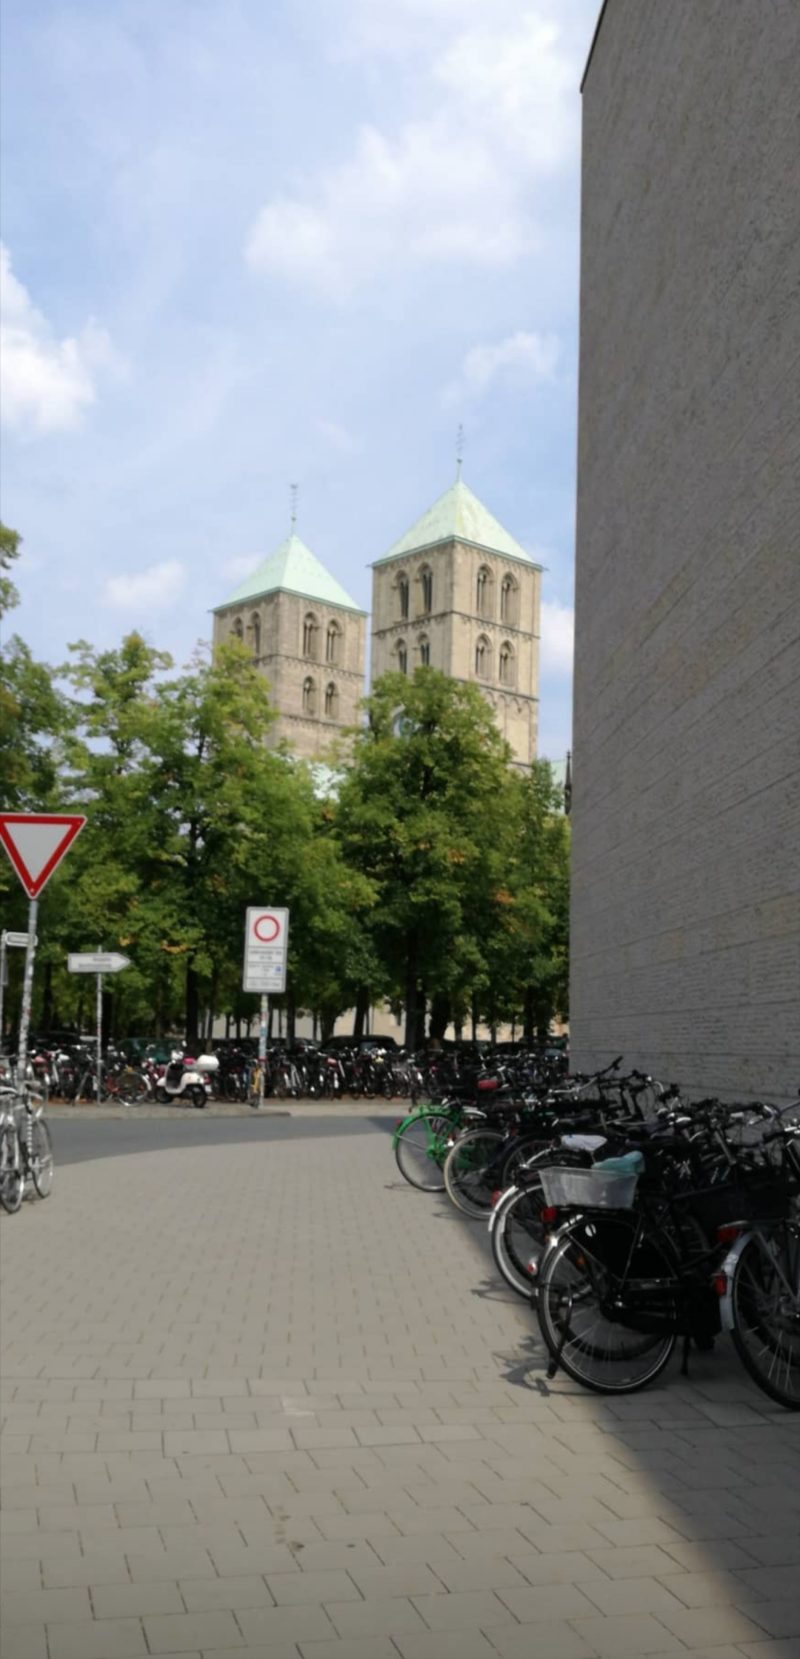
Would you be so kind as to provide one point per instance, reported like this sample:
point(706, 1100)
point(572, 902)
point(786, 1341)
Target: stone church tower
point(308, 638)
point(458, 593)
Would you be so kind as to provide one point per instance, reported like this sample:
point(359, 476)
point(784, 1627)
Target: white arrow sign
point(97, 962)
point(18, 939)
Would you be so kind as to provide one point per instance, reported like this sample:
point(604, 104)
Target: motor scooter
point(187, 1079)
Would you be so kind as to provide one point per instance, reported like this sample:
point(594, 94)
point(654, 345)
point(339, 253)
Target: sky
point(248, 243)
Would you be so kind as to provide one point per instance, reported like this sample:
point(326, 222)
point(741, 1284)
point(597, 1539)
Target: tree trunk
point(440, 1015)
point(474, 1013)
point(529, 1017)
point(47, 997)
point(362, 1010)
point(192, 1008)
point(412, 995)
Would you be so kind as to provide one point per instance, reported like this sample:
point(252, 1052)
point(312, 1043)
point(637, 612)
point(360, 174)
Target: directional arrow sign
point(36, 843)
point(18, 939)
point(97, 962)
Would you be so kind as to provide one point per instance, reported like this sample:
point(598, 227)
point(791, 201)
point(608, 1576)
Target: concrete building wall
point(455, 626)
point(282, 615)
point(686, 797)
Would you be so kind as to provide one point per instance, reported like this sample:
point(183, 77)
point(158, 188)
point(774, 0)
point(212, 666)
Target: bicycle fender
point(397, 1132)
point(495, 1210)
point(727, 1272)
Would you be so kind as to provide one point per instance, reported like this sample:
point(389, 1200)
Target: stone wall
point(686, 801)
point(454, 627)
point(310, 731)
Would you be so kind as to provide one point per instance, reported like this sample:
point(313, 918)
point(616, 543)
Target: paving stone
point(180, 1632)
point(100, 1639)
point(628, 1637)
point(44, 1606)
point(25, 1641)
point(121, 1601)
point(389, 1616)
point(539, 1641)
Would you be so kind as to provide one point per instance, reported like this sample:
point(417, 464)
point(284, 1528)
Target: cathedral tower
point(307, 636)
point(458, 593)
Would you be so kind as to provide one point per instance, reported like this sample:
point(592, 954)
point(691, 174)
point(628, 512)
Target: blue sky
point(249, 243)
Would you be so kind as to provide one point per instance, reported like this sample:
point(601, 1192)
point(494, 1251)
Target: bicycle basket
point(588, 1189)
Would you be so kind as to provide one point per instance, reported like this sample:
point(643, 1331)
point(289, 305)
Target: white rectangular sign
point(19, 940)
point(97, 962)
point(266, 942)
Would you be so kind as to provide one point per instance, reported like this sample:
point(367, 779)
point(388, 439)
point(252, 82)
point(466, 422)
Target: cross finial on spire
point(293, 492)
point(459, 451)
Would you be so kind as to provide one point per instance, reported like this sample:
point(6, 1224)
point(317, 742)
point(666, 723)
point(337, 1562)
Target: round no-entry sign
point(266, 928)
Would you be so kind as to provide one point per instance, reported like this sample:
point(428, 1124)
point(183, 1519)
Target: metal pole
point(262, 1049)
point(99, 1079)
point(27, 995)
point(2, 984)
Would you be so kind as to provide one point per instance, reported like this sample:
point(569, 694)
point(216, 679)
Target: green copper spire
point(294, 568)
point(458, 515)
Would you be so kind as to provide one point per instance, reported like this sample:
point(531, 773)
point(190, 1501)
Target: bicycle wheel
point(584, 1275)
point(132, 1086)
point(520, 1152)
point(765, 1297)
point(11, 1179)
point(471, 1171)
point(518, 1238)
point(42, 1163)
point(420, 1149)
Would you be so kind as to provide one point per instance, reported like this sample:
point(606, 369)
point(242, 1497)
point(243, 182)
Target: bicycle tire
point(12, 1184)
point(42, 1163)
point(468, 1180)
point(420, 1148)
point(572, 1270)
point(766, 1335)
point(518, 1238)
point(132, 1086)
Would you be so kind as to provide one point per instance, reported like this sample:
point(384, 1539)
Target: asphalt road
point(77, 1140)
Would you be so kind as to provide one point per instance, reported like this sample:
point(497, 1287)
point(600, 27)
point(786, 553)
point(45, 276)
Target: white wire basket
point(588, 1189)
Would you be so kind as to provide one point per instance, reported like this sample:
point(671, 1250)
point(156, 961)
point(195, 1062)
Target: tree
point(422, 813)
point(9, 551)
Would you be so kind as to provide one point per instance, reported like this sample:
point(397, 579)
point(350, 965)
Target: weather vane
point(293, 491)
point(459, 451)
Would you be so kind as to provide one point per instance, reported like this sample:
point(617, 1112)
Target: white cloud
point(241, 565)
point(558, 637)
point(457, 182)
point(47, 384)
point(524, 357)
point(153, 589)
point(338, 437)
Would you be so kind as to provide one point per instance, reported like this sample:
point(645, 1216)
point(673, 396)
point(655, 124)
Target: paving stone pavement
point(267, 1400)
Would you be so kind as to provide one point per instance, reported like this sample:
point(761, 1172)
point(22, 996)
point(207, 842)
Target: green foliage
point(9, 551)
point(436, 877)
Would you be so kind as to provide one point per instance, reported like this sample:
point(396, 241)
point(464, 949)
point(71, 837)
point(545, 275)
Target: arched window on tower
point(310, 631)
point(426, 590)
point(402, 596)
point(424, 652)
point(483, 658)
point(506, 670)
point(255, 634)
point(309, 696)
point(508, 600)
point(483, 592)
point(402, 656)
point(331, 702)
point(237, 630)
point(333, 643)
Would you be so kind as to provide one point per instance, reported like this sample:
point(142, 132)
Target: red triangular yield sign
point(36, 843)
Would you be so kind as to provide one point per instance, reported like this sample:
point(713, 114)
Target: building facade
point(686, 791)
point(458, 593)
point(308, 637)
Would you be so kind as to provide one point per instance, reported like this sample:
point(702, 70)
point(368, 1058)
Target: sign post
point(266, 944)
point(35, 843)
point(98, 962)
